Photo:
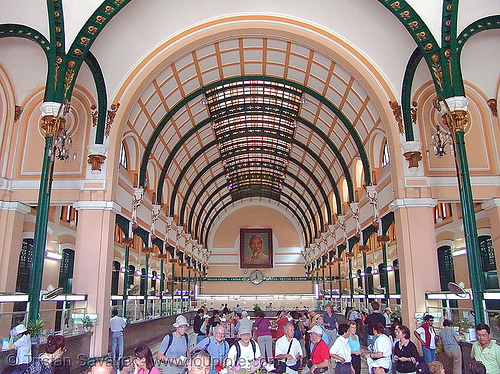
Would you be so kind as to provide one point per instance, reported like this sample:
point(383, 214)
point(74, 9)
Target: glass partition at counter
point(55, 313)
point(155, 307)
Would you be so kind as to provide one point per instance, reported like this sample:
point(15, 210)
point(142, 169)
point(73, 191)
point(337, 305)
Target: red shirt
point(320, 352)
point(281, 322)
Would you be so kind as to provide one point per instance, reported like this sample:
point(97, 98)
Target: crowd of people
point(313, 342)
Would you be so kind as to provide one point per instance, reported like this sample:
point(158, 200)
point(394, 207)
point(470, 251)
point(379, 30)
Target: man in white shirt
point(341, 351)
point(288, 348)
point(116, 325)
point(245, 354)
point(380, 357)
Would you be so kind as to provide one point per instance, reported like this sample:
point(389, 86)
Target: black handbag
point(280, 365)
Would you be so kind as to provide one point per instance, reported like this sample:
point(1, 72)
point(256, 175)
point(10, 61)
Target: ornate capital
point(147, 250)
point(129, 242)
point(492, 103)
point(413, 157)
point(52, 125)
point(95, 162)
point(364, 248)
point(456, 120)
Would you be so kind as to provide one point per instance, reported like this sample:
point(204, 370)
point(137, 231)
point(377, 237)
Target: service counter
point(74, 360)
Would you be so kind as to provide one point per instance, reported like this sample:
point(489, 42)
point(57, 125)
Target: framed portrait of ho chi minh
point(256, 248)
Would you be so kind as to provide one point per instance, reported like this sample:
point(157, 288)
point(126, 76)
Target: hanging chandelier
point(440, 140)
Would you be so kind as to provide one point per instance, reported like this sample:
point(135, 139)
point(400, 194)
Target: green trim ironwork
point(197, 93)
point(102, 99)
point(40, 235)
point(224, 185)
point(411, 68)
point(422, 36)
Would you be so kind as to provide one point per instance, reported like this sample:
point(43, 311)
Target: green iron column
point(351, 282)
point(172, 291)
point(189, 289)
point(182, 281)
point(365, 281)
point(128, 243)
point(323, 280)
point(340, 283)
point(456, 121)
point(146, 281)
point(52, 126)
point(331, 284)
point(385, 275)
point(162, 287)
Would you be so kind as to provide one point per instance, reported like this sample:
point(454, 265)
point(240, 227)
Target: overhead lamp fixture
point(53, 255)
point(459, 252)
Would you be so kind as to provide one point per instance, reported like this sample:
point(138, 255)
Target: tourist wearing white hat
point(174, 348)
point(23, 346)
point(245, 353)
point(320, 354)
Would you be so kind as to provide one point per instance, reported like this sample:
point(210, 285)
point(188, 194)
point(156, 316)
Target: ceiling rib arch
point(195, 228)
point(343, 119)
point(201, 151)
point(214, 162)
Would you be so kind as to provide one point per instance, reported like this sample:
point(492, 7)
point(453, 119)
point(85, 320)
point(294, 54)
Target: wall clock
point(256, 277)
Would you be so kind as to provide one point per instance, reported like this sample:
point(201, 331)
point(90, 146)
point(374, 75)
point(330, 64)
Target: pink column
point(11, 239)
point(417, 254)
point(93, 265)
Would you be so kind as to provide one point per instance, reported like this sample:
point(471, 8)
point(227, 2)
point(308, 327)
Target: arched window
point(369, 279)
point(144, 281)
point(115, 276)
point(358, 169)
point(395, 266)
point(131, 275)
point(446, 269)
point(360, 278)
point(123, 156)
point(333, 203)
point(385, 155)
point(153, 281)
point(382, 274)
point(66, 270)
point(345, 191)
point(23, 278)
point(488, 262)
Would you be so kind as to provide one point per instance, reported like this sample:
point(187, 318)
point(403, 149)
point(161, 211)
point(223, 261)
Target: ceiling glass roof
point(254, 123)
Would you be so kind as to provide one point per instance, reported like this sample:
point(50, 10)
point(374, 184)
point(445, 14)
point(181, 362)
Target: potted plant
point(87, 323)
point(35, 328)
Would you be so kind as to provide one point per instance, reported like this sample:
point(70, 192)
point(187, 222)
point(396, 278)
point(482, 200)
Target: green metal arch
point(216, 191)
point(56, 56)
point(411, 68)
point(213, 163)
point(195, 203)
point(206, 121)
point(305, 217)
point(22, 31)
point(163, 122)
point(483, 24)
point(231, 202)
point(213, 143)
point(337, 153)
point(86, 37)
point(425, 42)
point(26, 32)
point(102, 100)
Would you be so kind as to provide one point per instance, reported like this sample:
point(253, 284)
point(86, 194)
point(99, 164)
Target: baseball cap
point(316, 329)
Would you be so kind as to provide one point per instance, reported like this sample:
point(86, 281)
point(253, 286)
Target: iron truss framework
point(259, 115)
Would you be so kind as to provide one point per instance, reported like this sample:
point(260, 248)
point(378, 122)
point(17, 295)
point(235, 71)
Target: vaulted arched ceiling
point(254, 117)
